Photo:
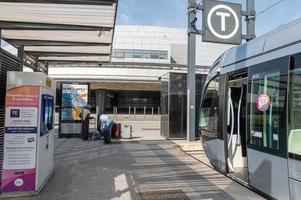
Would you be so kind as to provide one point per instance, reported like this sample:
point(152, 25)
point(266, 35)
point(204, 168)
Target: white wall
point(173, 40)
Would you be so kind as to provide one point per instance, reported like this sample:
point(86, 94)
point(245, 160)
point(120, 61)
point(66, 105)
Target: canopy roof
point(60, 30)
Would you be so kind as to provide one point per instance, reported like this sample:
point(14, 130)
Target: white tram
point(251, 113)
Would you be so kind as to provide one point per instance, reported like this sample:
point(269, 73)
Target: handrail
point(238, 141)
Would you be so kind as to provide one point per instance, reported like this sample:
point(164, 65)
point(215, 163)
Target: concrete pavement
point(150, 169)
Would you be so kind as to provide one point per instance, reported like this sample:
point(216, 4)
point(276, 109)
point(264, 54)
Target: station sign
point(222, 22)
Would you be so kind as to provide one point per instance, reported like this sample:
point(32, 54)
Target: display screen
point(74, 99)
point(47, 114)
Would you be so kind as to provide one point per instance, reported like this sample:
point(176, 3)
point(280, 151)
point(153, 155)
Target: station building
point(140, 56)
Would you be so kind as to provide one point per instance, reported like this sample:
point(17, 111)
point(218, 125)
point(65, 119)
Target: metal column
point(47, 67)
point(191, 72)
point(0, 49)
point(37, 64)
point(21, 56)
point(251, 19)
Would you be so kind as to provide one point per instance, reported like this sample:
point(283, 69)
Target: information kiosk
point(29, 132)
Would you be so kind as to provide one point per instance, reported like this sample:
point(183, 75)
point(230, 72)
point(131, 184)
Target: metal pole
point(251, 19)
point(152, 112)
point(191, 73)
point(135, 112)
point(47, 67)
point(129, 111)
point(158, 110)
point(144, 110)
point(0, 50)
point(37, 64)
point(21, 56)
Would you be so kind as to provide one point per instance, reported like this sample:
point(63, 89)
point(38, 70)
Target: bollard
point(129, 112)
point(134, 112)
point(158, 110)
point(153, 112)
point(144, 111)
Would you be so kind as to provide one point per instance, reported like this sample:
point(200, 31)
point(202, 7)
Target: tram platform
point(138, 169)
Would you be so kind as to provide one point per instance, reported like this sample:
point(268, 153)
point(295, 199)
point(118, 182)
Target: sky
point(172, 13)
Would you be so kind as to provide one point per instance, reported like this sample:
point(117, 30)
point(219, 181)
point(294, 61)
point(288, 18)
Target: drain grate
point(164, 195)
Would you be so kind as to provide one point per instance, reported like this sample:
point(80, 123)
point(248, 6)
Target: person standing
point(85, 122)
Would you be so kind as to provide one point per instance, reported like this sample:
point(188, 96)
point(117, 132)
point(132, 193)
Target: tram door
point(236, 127)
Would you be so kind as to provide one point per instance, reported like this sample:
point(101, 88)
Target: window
point(139, 53)
point(209, 111)
point(128, 53)
point(294, 142)
point(267, 107)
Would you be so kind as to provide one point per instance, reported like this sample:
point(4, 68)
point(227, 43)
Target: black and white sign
point(222, 22)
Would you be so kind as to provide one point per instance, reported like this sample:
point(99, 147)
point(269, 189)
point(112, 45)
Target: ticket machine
point(29, 132)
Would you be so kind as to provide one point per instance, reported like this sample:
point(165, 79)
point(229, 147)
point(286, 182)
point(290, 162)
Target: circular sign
point(263, 102)
point(236, 27)
point(19, 182)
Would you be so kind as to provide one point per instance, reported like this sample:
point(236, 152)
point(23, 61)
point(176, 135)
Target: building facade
point(140, 56)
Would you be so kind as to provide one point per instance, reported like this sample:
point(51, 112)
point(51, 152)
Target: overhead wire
point(270, 7)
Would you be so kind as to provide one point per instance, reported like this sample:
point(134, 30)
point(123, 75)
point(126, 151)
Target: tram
point(251, 113)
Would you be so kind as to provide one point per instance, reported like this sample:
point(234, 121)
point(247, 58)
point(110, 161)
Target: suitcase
point(116, 132)
point(126, 131)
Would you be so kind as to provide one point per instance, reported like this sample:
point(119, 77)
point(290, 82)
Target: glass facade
point(139, 53)
point(267, 106)
point(174, 104)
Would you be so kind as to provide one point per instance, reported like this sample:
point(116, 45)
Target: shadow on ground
point(149, 170)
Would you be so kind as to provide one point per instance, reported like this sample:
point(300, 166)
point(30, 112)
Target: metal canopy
point(60, 30)
point(130, 65)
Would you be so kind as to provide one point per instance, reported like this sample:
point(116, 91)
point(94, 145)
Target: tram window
point(209, 111)
point(267, 106)
point(295, 106)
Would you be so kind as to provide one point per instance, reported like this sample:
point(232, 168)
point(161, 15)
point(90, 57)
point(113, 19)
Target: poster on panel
point(74, 99)
point(20, 137)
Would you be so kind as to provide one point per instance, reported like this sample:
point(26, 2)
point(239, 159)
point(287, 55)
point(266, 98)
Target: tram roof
point(279, 38)
point(60, 30)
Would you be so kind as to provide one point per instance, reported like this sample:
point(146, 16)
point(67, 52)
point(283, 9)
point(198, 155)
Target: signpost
point(222, 23)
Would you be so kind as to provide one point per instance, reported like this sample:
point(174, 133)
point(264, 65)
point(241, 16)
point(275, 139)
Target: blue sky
point(172, 13)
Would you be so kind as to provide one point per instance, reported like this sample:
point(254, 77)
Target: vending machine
point(29, 132)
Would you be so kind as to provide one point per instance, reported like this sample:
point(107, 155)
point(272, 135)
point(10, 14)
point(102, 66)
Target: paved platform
point(142, 170)
point(193, 149)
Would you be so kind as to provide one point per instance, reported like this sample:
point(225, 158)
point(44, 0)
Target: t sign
point(222, 22)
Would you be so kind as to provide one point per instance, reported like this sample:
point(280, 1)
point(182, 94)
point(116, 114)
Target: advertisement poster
point(74, 98)
point(19, 167)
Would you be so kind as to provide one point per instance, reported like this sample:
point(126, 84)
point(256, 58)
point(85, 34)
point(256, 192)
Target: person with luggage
point(105, 127)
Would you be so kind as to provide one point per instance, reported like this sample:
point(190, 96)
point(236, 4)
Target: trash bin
point(126, 131)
